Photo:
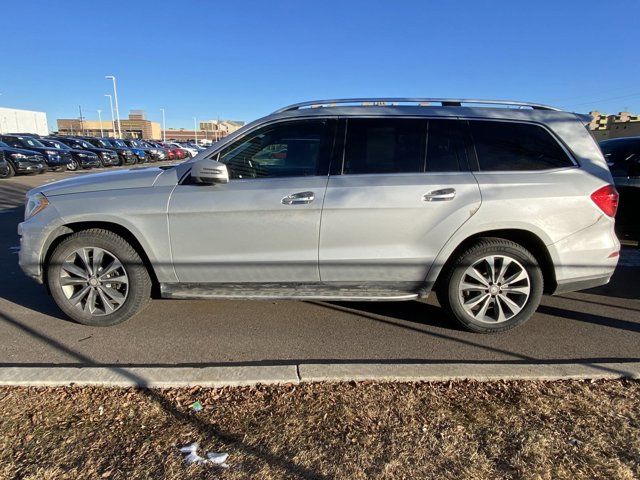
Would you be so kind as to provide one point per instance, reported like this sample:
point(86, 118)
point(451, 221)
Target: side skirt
point(296, 291)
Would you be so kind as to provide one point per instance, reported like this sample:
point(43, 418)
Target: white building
point(23, 121)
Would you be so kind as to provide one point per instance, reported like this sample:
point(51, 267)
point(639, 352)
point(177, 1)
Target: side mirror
point(209, 172)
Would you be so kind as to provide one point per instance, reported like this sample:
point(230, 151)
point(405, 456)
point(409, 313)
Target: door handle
point(439, 195)
point(299, 198)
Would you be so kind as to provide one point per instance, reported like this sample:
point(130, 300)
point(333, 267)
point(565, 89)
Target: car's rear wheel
point(97, 278)
point(493, 286)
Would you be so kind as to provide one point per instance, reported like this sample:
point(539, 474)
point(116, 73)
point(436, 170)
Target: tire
point(66, 285)
point(467, 305)
point(10, 171)
point(73, 166)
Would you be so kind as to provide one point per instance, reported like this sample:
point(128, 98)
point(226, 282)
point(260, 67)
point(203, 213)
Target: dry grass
point(534, 430)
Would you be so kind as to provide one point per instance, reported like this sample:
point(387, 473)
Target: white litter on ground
point(217, 459)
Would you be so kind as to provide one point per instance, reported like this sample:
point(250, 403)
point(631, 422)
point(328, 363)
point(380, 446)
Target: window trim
point(472, 147)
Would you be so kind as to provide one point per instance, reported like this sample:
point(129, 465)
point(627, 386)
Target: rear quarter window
point(508, 146)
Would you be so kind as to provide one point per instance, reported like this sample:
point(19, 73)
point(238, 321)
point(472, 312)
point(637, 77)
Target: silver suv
point(488, 203)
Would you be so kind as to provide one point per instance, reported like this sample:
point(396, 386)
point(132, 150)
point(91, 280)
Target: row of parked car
point(30, 153)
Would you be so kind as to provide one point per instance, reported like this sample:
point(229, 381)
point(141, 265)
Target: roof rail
point(445, 102)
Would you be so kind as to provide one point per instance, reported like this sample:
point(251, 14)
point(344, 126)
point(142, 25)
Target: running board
point(288, 291)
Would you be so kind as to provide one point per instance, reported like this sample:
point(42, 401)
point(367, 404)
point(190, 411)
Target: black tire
point(10, 171)
point(449, 295)
point(139, 288)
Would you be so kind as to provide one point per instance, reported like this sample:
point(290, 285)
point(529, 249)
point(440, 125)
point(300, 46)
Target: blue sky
point(241, 60)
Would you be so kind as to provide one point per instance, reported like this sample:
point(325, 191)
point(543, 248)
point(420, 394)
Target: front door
point(262, 226)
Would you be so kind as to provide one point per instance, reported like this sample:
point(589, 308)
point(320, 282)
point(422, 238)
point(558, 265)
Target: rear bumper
point(582, 284)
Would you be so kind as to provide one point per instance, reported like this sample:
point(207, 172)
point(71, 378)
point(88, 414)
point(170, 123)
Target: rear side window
point(506, 146)
point(445, 146)
point(385, 145)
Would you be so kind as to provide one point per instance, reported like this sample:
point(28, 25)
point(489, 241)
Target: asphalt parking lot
point(596, 326)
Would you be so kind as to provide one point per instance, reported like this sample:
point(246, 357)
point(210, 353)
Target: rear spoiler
point(585, 118)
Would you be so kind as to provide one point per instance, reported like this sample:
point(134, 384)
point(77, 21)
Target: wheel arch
point(526, 238)
point(62, 232)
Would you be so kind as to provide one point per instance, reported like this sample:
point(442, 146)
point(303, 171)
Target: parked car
point(175, 153)
point(125, 154)
point(488, 206)
point(54, 158)
point(20, 161)
point(4, 166)
point(623, 158)
point(191, 152)
point(108, 157)
point(79, 158)
point(152, 153)
point(168, 151)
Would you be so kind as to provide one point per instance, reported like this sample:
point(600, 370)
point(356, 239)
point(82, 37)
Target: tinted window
point(623, 157)
point(385, 146)
point(445, 146)
point(516, 146)
point(291, 149)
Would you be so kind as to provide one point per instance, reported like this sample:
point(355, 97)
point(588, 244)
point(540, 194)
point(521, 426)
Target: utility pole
point(81, 120)
point(115, 95)
point(195, 130)
point(164, 127)
point(100, 121)
point(113, 120)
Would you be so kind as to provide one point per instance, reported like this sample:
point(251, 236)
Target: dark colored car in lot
point(53, 157)
point(153, 153)
point(80, 158)
point(20, 160)
point(623, 158)
point(125, 154)
point(4, 166)
point(108, 157)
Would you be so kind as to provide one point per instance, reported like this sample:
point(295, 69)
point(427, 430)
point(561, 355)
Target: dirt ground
point(568, 429)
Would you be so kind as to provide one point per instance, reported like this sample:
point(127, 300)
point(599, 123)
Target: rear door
point(403, 189)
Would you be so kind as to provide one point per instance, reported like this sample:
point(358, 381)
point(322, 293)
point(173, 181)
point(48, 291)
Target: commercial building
point(136, 126)
point(13, 120)
point(210, 131)
point(604, 126)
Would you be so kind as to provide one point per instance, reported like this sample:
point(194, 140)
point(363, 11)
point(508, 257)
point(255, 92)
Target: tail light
point(606, 198)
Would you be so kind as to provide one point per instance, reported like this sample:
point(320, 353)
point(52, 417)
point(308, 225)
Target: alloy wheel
point(94, 281)
point(494, 289)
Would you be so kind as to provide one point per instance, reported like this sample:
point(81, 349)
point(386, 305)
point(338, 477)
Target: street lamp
point(113, 120)
point(195, 130)
point(115, 95)
point(164, 127)
point(100, 121)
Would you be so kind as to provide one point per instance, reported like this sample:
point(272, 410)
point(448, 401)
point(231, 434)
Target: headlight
point(51, 152)
point(18, 155)
point(83, 155)
point(35, 203)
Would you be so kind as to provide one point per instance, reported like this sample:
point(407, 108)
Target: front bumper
point(29, 167)
point(88, 162)
point(36, 234)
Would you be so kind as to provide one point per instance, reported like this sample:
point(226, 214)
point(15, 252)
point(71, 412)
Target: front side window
point(290, 149)
point(384, 145)
point(509, 146)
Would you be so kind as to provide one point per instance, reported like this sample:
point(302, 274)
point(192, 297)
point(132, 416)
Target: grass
point(537, 430)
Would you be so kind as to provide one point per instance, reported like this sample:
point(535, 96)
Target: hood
point(23, 151)
point(131, 178)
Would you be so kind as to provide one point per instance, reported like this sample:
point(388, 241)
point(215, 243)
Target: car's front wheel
point(494, 285)
point(97, 278)
point(9, 172)
point(73, 165)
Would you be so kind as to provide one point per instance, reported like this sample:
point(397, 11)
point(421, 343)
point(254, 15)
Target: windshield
point(2, 144)
point(85, 144)
point(119, 143)
point(32, 142)
point(56, 144)
point(103, 143)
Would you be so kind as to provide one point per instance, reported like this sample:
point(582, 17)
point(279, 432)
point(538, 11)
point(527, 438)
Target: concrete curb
point(252, 375)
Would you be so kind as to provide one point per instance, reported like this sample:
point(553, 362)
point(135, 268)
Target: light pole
point(195, 130)
point(113, 120)
point(115, 95)
point(100, 121)
point(164, 127)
